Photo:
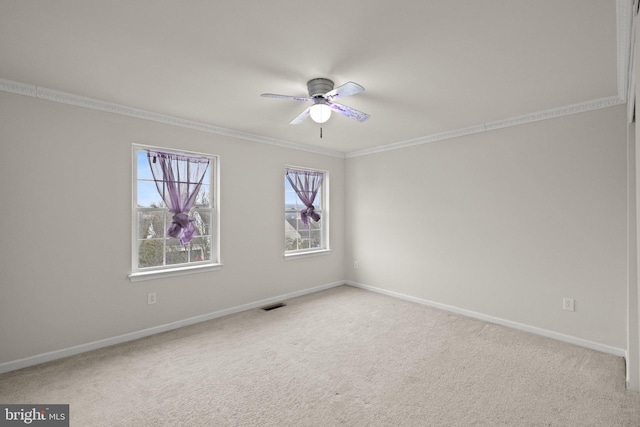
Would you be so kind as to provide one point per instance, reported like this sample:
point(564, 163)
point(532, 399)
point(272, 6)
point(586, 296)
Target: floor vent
point(274, 306)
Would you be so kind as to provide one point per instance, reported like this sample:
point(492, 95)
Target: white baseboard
point(508, 323)
point(70, 351)
point(82, 348)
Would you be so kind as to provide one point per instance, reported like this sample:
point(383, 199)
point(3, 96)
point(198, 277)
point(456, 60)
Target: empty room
point(418, 213)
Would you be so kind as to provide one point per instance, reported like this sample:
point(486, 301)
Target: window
point(306, 213)
point(181, 237)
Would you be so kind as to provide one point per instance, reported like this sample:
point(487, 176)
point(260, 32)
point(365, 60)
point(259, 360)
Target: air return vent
point(274, 306)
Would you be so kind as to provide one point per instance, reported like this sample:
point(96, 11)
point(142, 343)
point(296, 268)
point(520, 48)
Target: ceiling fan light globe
point(320, 113)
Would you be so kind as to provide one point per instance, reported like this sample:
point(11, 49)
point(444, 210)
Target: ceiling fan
point(322, 93)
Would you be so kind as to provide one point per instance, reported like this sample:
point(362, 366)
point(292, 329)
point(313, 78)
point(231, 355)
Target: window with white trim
point(306, 213)
point(175, 211)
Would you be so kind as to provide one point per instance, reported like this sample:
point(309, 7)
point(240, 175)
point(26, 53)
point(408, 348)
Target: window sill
point(173, 272)
point(298, 255)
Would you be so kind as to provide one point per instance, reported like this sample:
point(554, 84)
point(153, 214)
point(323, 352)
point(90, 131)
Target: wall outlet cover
point(568, 304)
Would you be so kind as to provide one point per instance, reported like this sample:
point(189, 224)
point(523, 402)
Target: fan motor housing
point(318, 87)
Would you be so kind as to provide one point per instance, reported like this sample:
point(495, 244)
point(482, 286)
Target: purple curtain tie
point(181, 224)
point(307, 213)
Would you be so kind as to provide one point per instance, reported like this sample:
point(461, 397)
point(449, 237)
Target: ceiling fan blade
point(295, 98)
point(301, 117)
point(349, 112)
point(347, 89)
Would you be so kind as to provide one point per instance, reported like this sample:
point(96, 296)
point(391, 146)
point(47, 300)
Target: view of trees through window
point(298, 236)
point(154, 248)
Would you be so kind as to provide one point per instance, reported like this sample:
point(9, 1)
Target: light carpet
point(344, 356)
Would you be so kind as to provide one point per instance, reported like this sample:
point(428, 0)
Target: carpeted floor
point(344, 356)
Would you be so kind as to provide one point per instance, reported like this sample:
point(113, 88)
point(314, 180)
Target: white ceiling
point(428, 66)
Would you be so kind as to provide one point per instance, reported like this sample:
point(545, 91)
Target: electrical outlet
point(356, 264)
point(151, 298)
point(568, 304)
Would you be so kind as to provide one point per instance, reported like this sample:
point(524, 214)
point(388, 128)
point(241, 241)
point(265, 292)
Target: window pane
point(313, 225)
point(201, 249)
point(150, 253)
point(151, 224)
point(291, 235)
point(176, 253)
point(207, 175)
point(287, 184)
point(148, 196)
point(291, 221)
point(315, 239)
point(203, 198)
point(144, 172)
point(291, 244)
point(291, 217)
point(202, 222)
point(303, 240)
point(291, 200)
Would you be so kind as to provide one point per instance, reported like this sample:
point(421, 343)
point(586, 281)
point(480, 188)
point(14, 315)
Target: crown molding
point(19, 88)
point(499, 124)
point(624, 21)
point(418, 141)
point(94, 104)
point(553, 113)
point(625, 38)
point(109, 107)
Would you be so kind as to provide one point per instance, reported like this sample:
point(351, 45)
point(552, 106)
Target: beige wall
point(504, 223)
point(66, 232)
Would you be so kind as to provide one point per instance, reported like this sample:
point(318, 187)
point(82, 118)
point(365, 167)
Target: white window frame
point(147, 273)
point(322, 209)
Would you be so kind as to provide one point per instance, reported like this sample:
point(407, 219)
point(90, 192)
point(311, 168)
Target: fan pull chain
point(320, 132)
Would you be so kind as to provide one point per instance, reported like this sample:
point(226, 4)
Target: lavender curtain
point(178, 179)
point(306, 185)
